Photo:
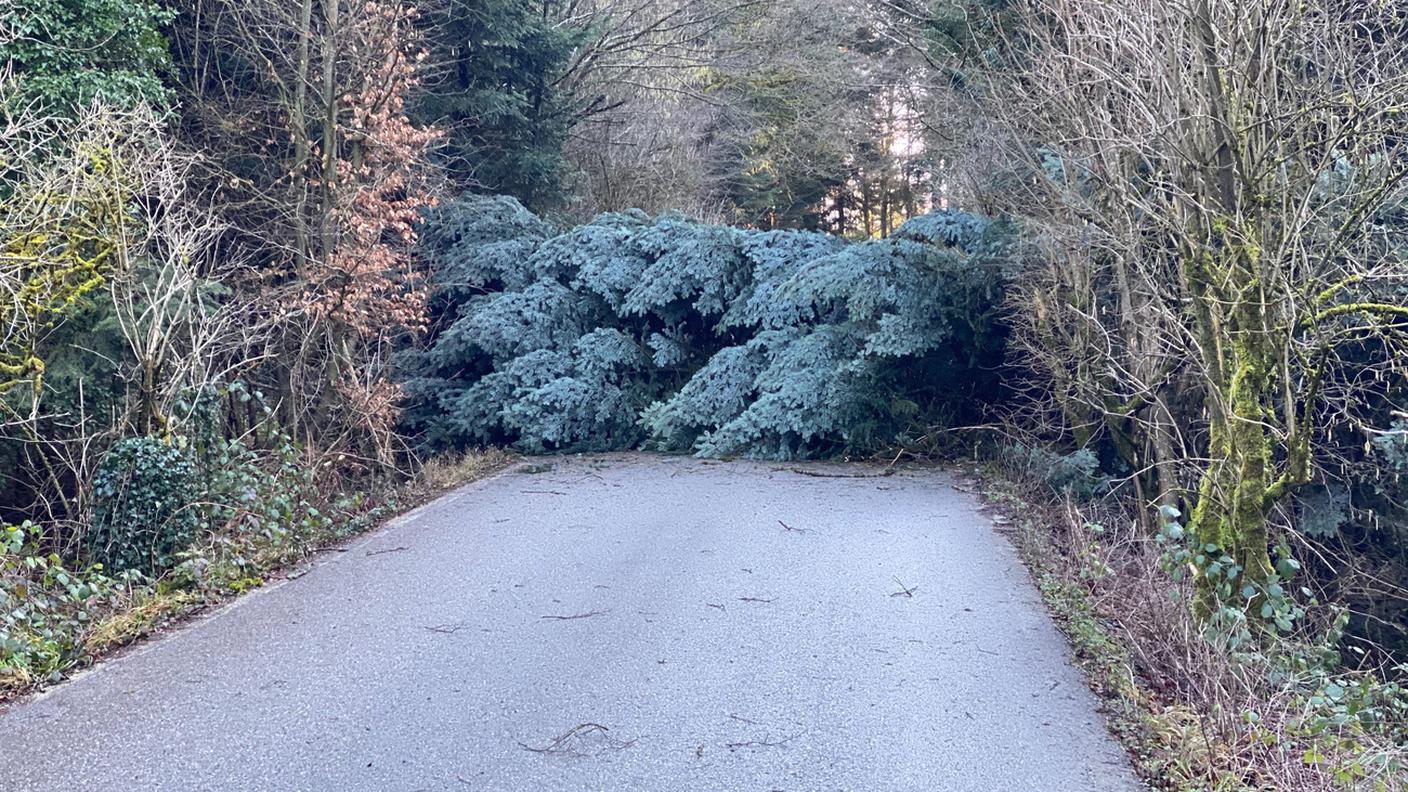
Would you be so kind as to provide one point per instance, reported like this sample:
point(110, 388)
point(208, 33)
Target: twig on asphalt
point(712, 605)
point(905, 591)
point(565, 743)
point(389, 550)
point(449, 629)
point(588, 614)
point(763, 743)
point(790, 528)
point(753, 599)
point(542, 492)
point(561, 740)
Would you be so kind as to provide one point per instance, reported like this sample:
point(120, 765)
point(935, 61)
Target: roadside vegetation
point(60, 616)
point(269, 271)
point(1216, 330)
point(1199, 708)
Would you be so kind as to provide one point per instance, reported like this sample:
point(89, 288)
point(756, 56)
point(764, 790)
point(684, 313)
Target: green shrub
point(208, 513)
point(68, 53)
point(144, 514)
point(257, 500)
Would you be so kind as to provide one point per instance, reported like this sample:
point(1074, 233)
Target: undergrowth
point(1200, 708)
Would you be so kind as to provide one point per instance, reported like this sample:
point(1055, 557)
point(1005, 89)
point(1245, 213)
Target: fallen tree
point(684, 336)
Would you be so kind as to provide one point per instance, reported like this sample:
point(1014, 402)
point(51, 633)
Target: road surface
point(614, 623)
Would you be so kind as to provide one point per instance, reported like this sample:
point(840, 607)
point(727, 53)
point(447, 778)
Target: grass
point(146, 612)
point(14, 679)
point(448, 471)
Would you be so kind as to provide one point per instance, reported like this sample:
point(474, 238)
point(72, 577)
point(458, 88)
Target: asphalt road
point(616, 623)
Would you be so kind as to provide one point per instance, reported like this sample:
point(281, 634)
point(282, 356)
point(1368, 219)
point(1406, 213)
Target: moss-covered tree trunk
point(1227, 281)
point(1232, 508)
point(1248, 467)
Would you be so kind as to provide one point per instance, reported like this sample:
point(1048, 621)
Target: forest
point(268, 266)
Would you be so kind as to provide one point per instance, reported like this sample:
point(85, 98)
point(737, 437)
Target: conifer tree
point(498, 96)
point(699, 338)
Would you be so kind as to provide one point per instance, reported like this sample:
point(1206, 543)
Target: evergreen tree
point(498, 95)
point(699, 338)
point(67, 53)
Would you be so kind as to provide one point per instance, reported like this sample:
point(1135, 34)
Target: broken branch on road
point(819, 474)
point(571, 742)
point(586, 615)
point(905, 591)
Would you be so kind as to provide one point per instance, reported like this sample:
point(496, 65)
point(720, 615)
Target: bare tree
point(302, 105)
point(1212, 180)
point(98, 210)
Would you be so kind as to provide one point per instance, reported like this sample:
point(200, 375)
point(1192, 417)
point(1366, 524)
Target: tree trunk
point(299, 128)
point(1234, 492)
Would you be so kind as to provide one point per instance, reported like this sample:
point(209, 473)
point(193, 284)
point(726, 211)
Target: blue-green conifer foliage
point(666, 333)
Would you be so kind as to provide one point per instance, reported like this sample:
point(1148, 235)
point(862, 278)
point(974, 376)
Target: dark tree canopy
point(496, 91)
point(67, 53)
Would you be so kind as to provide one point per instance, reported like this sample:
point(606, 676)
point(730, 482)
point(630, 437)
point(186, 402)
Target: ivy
point(143, 514)
point(46, 607)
